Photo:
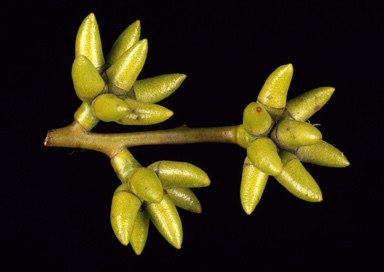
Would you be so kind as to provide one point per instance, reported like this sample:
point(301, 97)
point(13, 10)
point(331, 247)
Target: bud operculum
point(253, 182)
point(290, 134)
point(263, 154)
point(124, 209)
point(297, 180)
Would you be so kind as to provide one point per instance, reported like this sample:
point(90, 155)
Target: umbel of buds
point(278, 138)
point(275, 134)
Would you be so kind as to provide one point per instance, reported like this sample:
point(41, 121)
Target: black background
point(55, 201)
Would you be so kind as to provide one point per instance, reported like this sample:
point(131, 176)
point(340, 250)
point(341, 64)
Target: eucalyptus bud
point(273, 94)
point(180, 174)
point(141, 113)
point(122, 74)
point(88, 42)
point(166, 219)
point(252, 186)
point(85, 117)
point(307, 104)
point(256, 119)
point(184, 198)
point(155, 89)
point(86, 79)
point(263, 154)
point(289, 134)
point(126, 40)
point(297, 180)
point(145, 184)
point(140, 232)
point(108, 107)
point(323, 154)
point(124, 209)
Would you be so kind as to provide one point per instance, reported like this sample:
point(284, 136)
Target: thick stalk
point(74, 136)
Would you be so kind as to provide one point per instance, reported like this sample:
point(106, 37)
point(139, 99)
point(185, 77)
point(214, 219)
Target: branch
point(75, 136)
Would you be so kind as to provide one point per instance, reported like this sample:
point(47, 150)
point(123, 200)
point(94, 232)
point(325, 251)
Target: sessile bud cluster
point(278, 137)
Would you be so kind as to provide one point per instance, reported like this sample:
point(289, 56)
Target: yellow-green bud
point(166, 219)
point(323, 154)
point(145, 184)
point(124, 164)
point(252, 186)
point(263, 154)
point(123, 73)
point(307, 104)
point(184, 198)
point(141, 113)
point(126, 40)
point(88, 42)
point(297, 180)
point(180, 174)
point(87, 81)
point(108, 107)
point(289, 134)
point(140, 232)
point(273, 94)
point(124, 209)
point(256, 119)
point(85, 116)
point(155, 89)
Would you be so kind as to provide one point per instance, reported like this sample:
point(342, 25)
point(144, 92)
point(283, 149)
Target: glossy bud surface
point(175, 174)
point(167, 221)
point(108, 107)
point(262, 152)
point(124, 209)
point(297, 180)
point(145, 184)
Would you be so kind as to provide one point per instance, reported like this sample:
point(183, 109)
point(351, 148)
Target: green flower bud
point(252, 186)
point(155, 89)
point(108, 107)
point(289, 134)
point(307, 104)
point(126, 40)
point(185, 199)
point(262, 152)
point(180, 174)
point(167, 221)
point(86, 79)
point(145, 184)
point(273, 94)
point(296, 179)
point(124, 209)
point(140, 232)
point(323, 154)
point(85, 117)
point(124, 164)
point(88, 42)
point(256, 119)
point(243, 138)
point(122, 74)
point(141, 113)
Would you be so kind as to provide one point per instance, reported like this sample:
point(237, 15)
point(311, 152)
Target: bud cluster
point(278, 137)
point(152, 194)
point(109, 87)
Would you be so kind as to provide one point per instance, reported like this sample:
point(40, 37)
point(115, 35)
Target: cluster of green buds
point(152, 194)
point(109, 87)
point(275, 133)
point(278, 138)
